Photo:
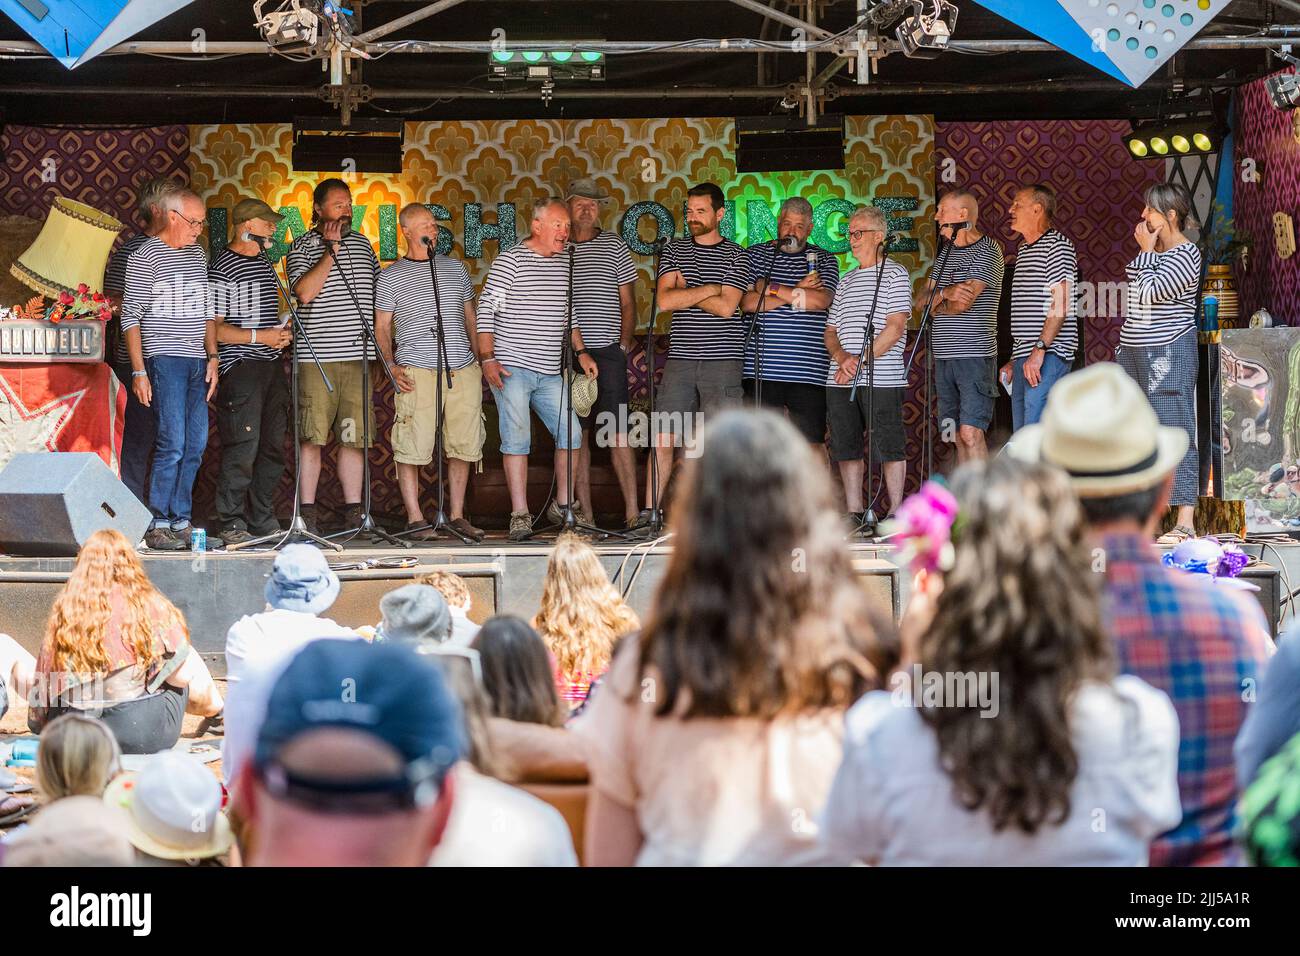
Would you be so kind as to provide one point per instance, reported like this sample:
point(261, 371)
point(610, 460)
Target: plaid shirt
point(1204, 646)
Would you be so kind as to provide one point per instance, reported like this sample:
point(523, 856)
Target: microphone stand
point(869, 523)
point(655, 525)
point(568, 520)
point(753, 328)
point(297, 531)
point(924, 332)
point(439, 522)
point(368, 340)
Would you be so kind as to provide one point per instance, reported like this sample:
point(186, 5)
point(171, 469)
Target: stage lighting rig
point(316, 25)
point(1284, 88)
point(522, 63)
point(1170, 139)
point(925, 35)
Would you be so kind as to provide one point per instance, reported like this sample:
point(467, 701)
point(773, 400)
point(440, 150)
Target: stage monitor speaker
point(51, 502)
point(766, 144)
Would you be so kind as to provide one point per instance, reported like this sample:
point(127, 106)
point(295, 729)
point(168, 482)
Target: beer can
point(198, 539)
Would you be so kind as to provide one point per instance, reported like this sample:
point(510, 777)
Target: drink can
point(198, 539)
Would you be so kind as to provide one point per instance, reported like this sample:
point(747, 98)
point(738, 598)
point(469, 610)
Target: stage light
point(533, 56)
point(503, 56)
point(1180, 143)
point(547, 66)
point(1165, 139)
point(562, 56)
point(1203, 142)
point(592, 56)
point(926, 35)
point(1159, 146)
point(1283, 90)
point(1137, 147)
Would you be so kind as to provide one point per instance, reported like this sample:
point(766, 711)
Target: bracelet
point(139, 374)
point(253, 340)
point(489, 358)
point(213, 357)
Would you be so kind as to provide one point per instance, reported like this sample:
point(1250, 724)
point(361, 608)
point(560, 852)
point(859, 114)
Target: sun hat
point(301, 580)
point(587, 189)
point(247, 209)
point(414, 612)
point(1100, 429)
point(173, 807)
point(73, 831)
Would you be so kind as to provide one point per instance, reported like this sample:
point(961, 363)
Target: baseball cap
point(247, 209)
point(587, 189)
point(386, 691)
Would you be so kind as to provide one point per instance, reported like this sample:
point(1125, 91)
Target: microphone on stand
point(428, 243)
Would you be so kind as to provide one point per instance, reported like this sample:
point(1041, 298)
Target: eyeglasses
point(859, 233)
point(194, 223)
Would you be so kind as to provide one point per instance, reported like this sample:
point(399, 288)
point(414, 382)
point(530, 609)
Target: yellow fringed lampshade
point(72, 248)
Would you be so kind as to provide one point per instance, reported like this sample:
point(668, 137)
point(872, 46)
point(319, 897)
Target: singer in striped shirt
point(1157, 344)
point(604, 306)
point(964, 318)
point(252, 405)
point(140, 425)
point(785, 357)
point(172, 342)
point(522, 315)
point(407, 312)
point(332, 270)
point(1043, 323)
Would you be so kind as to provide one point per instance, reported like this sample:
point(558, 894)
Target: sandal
point(1176, 535)
point(13, 809)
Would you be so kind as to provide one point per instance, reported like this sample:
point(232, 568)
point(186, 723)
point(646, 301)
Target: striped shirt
point(848, 317)
point(601, 265)
point(1162, 292)
point(523, 304)
point(168, 296)
point(244, 293)
point(1040, 265)
point(405, 289)
point(331, 319)
point(793, 341)
point(697, 335)
point(973, 333)
point(115, 281)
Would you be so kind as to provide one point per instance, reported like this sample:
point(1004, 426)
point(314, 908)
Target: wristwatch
point(1040, 344)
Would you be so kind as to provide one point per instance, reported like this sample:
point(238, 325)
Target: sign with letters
point(35, 340)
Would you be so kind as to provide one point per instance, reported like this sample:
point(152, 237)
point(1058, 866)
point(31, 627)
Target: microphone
point(890, 239)
point(427, 242)
point(263, 242)
point(956, 227)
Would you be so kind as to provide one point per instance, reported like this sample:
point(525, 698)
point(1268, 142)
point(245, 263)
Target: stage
point(215, 589)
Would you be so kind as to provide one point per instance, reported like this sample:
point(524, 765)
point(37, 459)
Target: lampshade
point(72, 248)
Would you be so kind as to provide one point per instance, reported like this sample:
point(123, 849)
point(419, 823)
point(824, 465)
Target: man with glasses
point(171, 338)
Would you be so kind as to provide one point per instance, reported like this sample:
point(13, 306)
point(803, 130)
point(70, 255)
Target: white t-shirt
point(463, 630)
point(258, 649)
point(892, 804)
point(495, 824)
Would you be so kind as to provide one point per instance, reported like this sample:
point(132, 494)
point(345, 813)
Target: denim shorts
point(525, 389)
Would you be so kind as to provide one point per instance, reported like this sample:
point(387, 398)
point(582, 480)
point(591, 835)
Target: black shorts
point(848, 421)
point(612, 393)
point(805, 403)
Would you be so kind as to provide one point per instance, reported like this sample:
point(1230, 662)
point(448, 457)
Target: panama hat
point(173, 808)
point(1100, 429)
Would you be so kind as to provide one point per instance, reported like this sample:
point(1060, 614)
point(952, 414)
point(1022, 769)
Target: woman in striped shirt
point(1157, 345)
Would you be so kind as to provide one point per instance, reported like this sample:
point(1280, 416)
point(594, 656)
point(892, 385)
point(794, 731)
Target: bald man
point(964, 317)
point(406, 325)
point(522, 313)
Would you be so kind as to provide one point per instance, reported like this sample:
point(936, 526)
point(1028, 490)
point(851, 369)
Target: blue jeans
point(139, 432)
point(1027, 402)
point(525, 389)
point(180, 400)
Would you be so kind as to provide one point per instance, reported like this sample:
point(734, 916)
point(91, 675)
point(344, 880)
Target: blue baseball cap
point(387, 691)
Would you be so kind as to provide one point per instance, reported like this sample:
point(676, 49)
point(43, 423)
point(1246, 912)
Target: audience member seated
point(414, 614)
point(1269, 817)
point(113, 641)
point(456, 592)
point(1274, 717)
point(173, 811)
point(492, 823)
point(73, 831)
point(78, 756)
point(527, 719)
point(1007, 738)
point(17, 672)
point(1199, 643)
point(581, 616)
point(717, 732)
point(358, 778)
point(258, 646)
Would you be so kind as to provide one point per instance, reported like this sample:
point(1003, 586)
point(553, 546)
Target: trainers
point(468, 530)
point(235, 536)
point(521, 525)
point(164, 539)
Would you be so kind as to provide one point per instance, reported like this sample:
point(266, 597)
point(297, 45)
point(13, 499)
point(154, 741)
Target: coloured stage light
point(547, 66)
point(1180, 143)
point(1137, 147)
point(1190, 136)
point(1159, 146)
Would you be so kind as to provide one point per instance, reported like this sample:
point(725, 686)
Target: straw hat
point(1100, 429)
point(584, 392)
point(173, 809)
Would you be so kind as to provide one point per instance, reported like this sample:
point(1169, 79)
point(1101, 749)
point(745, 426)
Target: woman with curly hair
point(716, 734)
point(581, 617)
point(1007, 737)
point(116, 648)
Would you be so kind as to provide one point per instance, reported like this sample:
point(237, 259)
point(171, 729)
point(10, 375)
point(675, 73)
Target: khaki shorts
point(340, 411)
point(416, 419)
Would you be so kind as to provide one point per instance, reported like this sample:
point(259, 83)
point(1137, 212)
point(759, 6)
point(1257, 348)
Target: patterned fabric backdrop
point(100, 167)
point(1098, 186)
point(458, 163)
point(1267, 137)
